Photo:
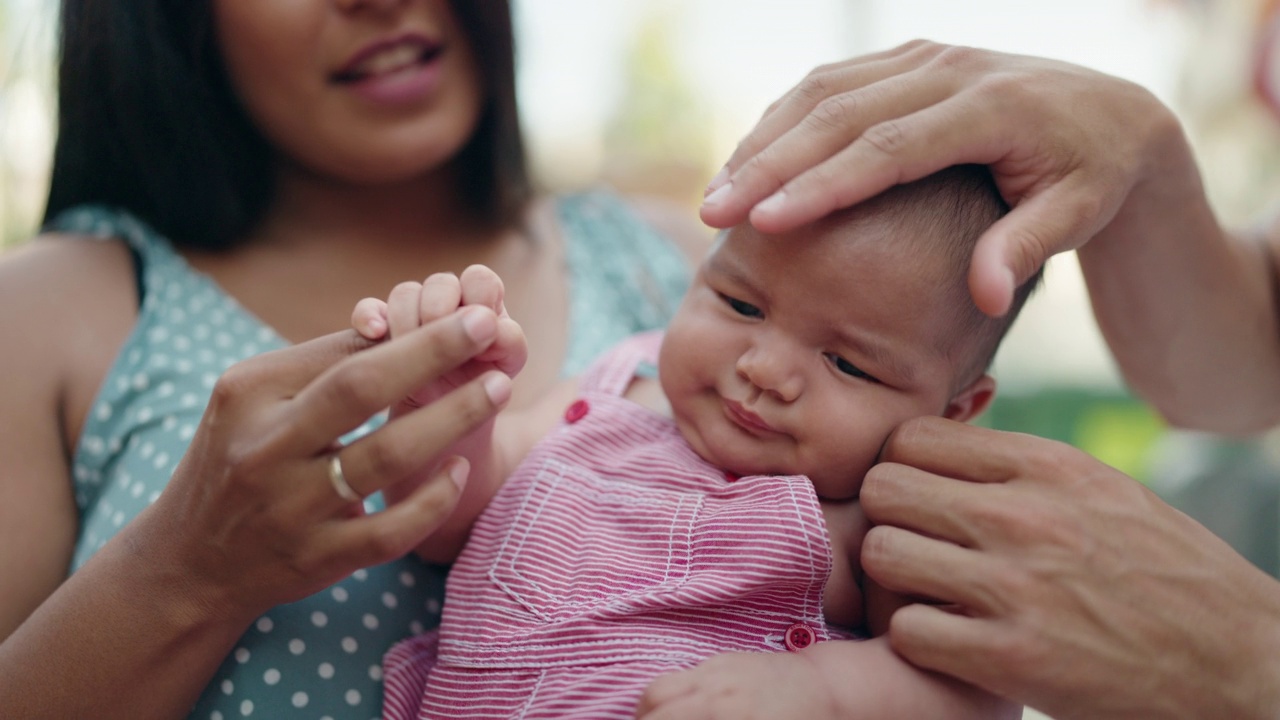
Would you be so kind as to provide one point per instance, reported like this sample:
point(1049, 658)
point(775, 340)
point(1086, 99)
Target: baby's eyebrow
point(901, 369)
point(734, 270)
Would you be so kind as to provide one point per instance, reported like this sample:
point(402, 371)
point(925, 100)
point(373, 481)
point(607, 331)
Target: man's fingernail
point(773, 203)
point(498, 387)
point(479, 324)
point(721, 178)
point(719, 194)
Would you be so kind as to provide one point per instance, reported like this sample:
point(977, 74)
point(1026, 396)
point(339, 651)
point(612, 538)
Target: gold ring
point(339, 481)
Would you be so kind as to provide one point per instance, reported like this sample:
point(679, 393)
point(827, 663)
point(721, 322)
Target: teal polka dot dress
point(319, 657)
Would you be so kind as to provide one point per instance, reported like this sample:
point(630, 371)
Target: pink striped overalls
point(612, 555)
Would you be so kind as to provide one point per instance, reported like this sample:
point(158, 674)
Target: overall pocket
point(582, 544)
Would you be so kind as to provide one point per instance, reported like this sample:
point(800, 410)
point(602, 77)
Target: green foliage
point(1114, 427)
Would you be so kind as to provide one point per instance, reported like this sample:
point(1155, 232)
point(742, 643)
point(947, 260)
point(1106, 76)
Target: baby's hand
point(413, 304)
point(741, 686)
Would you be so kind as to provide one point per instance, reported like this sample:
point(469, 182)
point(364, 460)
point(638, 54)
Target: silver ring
point(339, 480)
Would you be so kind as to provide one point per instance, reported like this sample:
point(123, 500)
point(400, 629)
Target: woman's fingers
point(416, 439)
point(285, 372)
point(352, 391)
point(510, 350)
point(378, 537)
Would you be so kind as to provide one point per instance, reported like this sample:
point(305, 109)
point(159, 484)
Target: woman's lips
point(388, 55)
point(394, 73)
point(746, 419)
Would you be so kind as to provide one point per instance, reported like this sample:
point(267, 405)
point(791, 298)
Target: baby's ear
point(972, 401)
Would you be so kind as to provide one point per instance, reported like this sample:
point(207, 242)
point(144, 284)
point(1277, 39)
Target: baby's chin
point(829, 485)
point(740, 464)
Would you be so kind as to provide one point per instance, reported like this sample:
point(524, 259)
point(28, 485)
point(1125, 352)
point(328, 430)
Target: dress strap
point(613, 372)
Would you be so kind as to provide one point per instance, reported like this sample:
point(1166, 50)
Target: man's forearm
point(1187, 308)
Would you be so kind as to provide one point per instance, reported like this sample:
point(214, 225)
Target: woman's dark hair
point(148, 121)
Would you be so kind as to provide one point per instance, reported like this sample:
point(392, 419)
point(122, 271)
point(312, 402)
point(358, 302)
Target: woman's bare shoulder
point(66, 306)
point(68, 280)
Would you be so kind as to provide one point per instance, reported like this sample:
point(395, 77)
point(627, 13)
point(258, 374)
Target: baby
point(650, 523)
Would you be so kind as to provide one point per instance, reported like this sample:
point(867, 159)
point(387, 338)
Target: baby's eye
point(849, 368)
point(744, 309)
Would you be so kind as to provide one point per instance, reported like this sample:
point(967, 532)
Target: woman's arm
point(248, 520)
point(121, 638)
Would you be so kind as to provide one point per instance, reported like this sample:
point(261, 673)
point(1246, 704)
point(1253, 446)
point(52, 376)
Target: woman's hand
point(410, 306)
point(1078, 592)
point(1068, 148)
point(414, 304)
point(251, 512)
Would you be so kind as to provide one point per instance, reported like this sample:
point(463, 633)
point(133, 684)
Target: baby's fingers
point(370, 319)
point(402, 308)
point(441, 296)
point(482, 286)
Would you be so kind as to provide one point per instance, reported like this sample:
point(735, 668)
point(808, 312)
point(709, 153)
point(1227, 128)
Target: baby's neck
point(648, 392)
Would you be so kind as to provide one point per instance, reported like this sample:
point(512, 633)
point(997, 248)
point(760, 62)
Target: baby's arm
point(494, 449)
point(833, 679)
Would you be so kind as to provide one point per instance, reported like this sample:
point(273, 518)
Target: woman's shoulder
point(61, 276)
point(67, 303)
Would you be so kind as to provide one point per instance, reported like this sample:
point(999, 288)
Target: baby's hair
point(946, 213)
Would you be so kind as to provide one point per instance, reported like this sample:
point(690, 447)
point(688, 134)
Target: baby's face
point(799, 353)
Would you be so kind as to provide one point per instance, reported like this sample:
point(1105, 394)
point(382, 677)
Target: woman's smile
point(395, 71)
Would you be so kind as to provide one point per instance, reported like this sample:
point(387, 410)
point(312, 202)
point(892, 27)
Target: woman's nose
point(771, 371)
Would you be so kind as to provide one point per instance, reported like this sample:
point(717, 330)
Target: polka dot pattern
point(321, 656)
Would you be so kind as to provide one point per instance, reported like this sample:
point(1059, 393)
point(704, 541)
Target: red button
point(730, 476)
point(576, 411)
point(799, 637)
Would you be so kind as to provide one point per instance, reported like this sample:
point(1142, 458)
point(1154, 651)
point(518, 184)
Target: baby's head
point(799, 353)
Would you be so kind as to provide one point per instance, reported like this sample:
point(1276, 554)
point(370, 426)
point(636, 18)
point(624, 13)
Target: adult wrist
point(189, 601)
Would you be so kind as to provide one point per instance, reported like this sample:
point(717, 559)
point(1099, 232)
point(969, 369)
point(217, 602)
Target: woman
point(1084, 595)
point(230, 177)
